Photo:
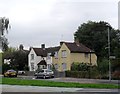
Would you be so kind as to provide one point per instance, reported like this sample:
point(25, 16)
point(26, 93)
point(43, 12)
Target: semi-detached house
point(61, 57)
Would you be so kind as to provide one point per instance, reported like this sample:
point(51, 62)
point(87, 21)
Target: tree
point(4, 24)
point(95, 36)
point(20, 59)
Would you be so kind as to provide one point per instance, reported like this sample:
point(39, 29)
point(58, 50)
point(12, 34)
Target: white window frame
point(48, 56)
point(56, 55)
point(32, 56)
point(64, 53)
point(32, 66)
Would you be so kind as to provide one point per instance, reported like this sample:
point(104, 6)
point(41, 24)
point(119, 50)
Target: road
point(17, 88)
point(77, 80)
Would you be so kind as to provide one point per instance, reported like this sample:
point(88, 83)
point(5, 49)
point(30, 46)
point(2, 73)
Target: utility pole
point(109, 54)
point(90, 66)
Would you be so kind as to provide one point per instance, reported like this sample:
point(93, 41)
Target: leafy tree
point(20, 59)
point(103, 67)
point(95, 36)
point(4, 24)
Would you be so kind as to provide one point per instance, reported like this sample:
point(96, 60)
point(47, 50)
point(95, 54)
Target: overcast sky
point(34, 22)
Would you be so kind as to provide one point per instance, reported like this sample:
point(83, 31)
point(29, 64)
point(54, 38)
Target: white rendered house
point(40, 58)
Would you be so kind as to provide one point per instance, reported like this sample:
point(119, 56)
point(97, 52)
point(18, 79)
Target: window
point(49, 66)
point(48, 55)
point(56, 66)
point(64, 53)
point(86, 55)
point(32, 66)
point(32, 56)
point(64, 67)
point(56, 55)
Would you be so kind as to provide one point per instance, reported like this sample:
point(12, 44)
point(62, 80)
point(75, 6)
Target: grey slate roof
point(43, 52)
point(80, 48)
point(72, 46)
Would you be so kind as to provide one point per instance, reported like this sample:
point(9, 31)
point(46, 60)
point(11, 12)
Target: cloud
point(50, 21)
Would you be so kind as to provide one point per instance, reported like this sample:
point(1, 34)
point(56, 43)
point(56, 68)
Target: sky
point(34, 22)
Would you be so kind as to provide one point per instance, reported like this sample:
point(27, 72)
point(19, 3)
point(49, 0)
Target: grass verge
point(15, 81)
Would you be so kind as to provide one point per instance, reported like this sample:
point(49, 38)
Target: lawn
point(15, 81)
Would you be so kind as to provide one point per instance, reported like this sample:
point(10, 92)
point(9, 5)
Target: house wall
point(80, 57)
point(36, 60)
point(72, 57)
point(61, 59)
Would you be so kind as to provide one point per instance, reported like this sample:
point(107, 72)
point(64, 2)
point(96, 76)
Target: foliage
point(18, 58)
point(5, 67)
point(76, 66)
point(13, 81)
point(83, 74)
point(103, 66)
point(95, 36)
point(4, 24)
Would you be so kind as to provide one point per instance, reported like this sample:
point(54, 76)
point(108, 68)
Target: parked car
point(10, 73)
point(21, 72)
point(44, 73)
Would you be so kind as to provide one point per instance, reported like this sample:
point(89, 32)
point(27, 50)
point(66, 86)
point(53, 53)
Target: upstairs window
point(56, 55)
point(48, 56)
point(32, 56)
point(64, 53)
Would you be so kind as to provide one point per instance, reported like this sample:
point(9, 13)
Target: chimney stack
point(43, 46)
point(61, 43)
point(77, 41)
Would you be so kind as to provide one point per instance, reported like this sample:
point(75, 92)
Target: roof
point(43, 52)
point(72, 46)
point(40, 52)
point(78, 48)
point(42, 62)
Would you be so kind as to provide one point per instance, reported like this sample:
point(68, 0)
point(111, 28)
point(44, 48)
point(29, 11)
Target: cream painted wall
point(80, 57)
point(72, 57)
point(61, 59)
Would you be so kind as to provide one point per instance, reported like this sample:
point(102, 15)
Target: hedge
point(82, 74)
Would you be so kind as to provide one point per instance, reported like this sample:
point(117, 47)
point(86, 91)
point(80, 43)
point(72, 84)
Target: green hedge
point(82, 74)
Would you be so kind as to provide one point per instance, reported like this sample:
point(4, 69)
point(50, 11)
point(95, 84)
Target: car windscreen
point(11, 71)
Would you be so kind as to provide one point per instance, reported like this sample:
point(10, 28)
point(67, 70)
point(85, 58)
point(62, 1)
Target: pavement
point(17, 88)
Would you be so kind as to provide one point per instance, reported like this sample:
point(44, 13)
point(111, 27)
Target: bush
point(76, 74)
point(116, 75)
point(76, 66)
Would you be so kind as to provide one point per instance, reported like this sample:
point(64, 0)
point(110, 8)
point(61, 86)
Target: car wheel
point(52, 77)
point(36, 77)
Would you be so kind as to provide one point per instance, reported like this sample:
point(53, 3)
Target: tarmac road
point(77, 80)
